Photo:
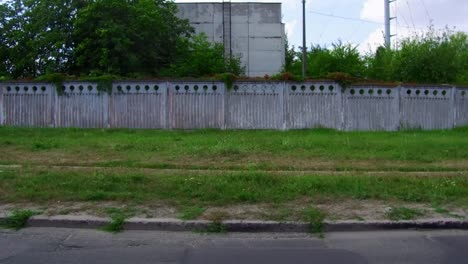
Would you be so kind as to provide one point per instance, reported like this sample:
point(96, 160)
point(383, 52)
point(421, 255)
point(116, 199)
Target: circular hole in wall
point(17, 88)
point(8, 88)
point(128, 87)
point(303, 88)
point(137, 87)
point(35, 88)
point(63, 88)
point(147, 87)
point(331, 88)
point(322, 87)
point(236, 87)
point(352, 91)
point(186, 87)
point(435, 92)
point(294, 88)
point(119, 88)
point(80, 88)
point(371, 91)
point(215, 87)
point(156, 87)
point(379, 91)
point(90, 87)
point(408, 92)
point(389, 92)
point(418, 92)
point(25, 88)
point(444, 93)
point(426, 92)
point(43, 88)
point(312, 88)
point(177, 88)
point(205, 87)
point(361, 92)
point(72, 88)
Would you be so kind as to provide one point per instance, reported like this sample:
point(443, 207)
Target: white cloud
point(290, 28)
point(413, 16)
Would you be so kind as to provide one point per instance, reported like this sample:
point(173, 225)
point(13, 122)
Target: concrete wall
point(81, 106)
point(461, 104)
point(247, 105)
point(427, 107)
point(27, 105)
point(138, 105)
point(371, 108)
point(255, 106)
point(310, 105)
point(254, 31)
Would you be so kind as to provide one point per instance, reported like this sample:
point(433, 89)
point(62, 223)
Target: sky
point(361, 22)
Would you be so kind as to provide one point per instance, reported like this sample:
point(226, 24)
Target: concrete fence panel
point(461, 106)
point(255, 106)
point(427, 107)
point(371, 108)
point(138, 105)
point(196, 105)
point(82, 105)
point(27, 104)
point(312, 105)
point(2, 110)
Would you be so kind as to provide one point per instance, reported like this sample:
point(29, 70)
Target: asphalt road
point(49, 245)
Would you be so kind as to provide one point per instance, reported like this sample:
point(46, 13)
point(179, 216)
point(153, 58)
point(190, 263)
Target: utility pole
point(304, 46)
point(388, 19)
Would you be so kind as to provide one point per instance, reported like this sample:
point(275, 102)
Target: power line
point(369, 21)
point(427, 11)
point(346, 18)
point(411, 14)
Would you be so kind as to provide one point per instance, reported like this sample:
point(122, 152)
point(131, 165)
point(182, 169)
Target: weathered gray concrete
point(255, 106)
point(195, 105)
point(313, 105)
point(247, 105)
point(427, 107)
point(169, 224)
point(81, 105)
point(461, 105)
point(28, 105)
point(47, 245)
point(138, 105)
point(371, 108)
point(253, 31)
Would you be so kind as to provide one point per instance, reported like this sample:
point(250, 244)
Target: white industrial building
point(253, 31)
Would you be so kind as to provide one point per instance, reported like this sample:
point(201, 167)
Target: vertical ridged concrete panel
point(2, 110)
point(461, 106)
point(255, 106)
point(195, 105)
point(138, 105)
point(313, 105)
point(27, 104)
point(82, 105)
point(371, 108)
point(427, 107)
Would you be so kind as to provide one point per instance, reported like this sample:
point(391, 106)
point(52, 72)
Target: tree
point(124, 37)
point(37, 35)
point(203, 58)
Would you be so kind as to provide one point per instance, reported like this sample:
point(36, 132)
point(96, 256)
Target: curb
point(163, 224)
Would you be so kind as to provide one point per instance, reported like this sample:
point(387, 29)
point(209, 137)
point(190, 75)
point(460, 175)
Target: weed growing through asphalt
point(315, 218)
point(191, 212)
point(404, 213)
point(217, 226)
point(118, 217)
point(18, 219)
